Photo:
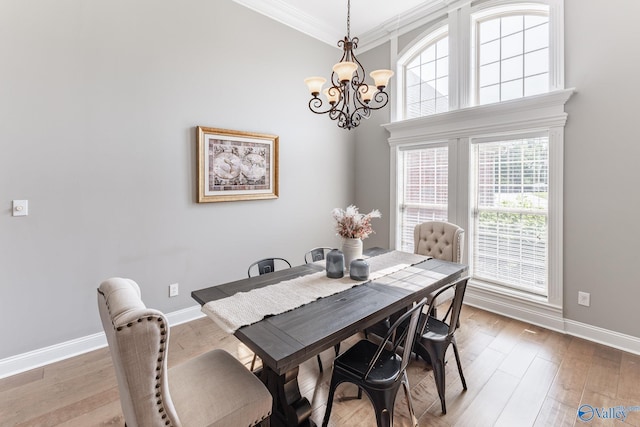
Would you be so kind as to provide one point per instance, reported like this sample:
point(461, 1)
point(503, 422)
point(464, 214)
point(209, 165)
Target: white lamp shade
point(333, 94)
point(381, 77)
point(315, 84)
point(367, 91)
point(345, 70)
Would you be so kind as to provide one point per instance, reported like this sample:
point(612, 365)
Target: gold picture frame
point(235, 165)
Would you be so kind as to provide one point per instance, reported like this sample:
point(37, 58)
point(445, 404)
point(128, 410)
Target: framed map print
point(234, 165)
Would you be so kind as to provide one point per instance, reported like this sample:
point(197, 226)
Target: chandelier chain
point(349, 19)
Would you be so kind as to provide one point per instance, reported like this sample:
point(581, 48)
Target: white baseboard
point(23, 362)
point(609, 338)
point(549, 317)
point(544, 316)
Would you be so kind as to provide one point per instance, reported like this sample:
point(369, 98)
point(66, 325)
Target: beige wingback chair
point(439, 239)
point(213, 389)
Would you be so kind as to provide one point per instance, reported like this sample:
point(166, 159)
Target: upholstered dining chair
point(377, 370)
point(437, 335)
point(267, 265)
point(316, 254)
point(439, 239)
point(213, 389)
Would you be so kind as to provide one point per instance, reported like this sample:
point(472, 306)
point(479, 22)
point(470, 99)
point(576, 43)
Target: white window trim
point(543, 112)
point(472, 223)
point(460, 20)
point(426, 38)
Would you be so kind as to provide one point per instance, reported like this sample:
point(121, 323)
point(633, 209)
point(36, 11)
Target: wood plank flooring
point(517, 375)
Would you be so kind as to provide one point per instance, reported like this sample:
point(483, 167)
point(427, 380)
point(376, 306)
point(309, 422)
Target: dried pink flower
point(351, 224)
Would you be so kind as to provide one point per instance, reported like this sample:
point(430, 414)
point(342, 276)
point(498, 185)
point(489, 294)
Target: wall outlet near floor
point(584, 298)
point(173, 290)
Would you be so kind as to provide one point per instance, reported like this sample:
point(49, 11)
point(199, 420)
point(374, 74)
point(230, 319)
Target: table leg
point(290, 408)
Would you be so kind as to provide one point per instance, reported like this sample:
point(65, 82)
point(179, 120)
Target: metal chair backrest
point(316, 254)
point(266, 265)
point(404, 339)
point(453, 312)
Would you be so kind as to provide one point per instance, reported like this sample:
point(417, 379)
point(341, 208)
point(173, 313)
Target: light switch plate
point(584, 298)
point(20, 208)
point(173, 290)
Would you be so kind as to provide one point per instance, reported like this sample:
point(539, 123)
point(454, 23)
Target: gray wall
point(602, 150)
point(99, 102)
point(601, 204)
point(372, 155)
point(98, 107)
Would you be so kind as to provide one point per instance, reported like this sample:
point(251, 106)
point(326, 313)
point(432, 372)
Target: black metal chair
point(316, 254)
point(377, 370)
point(437, 335)
point(267, 265)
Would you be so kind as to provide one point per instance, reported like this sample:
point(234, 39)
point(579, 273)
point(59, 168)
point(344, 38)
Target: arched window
point(424, 70)
point(512, 52)
point(487, 52)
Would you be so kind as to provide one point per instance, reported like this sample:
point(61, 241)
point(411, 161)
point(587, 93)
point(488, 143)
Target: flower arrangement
point(351, 224)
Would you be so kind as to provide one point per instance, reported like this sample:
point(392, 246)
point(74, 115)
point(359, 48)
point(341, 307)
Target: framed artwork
point(234, 165)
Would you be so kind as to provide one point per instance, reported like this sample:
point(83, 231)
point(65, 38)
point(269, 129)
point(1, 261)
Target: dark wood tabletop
point(286, 340)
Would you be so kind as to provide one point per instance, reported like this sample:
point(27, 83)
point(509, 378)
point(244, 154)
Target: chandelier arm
point(315, 104)
point(381, 98)
point(360, 73)
point(360, 113)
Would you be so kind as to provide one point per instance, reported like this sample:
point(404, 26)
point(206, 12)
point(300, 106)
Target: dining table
point(285, 340)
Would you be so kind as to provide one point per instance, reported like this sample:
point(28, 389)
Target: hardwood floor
point(517, 375)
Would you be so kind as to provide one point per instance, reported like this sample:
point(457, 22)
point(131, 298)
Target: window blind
point(424, 189)
point(511, 181)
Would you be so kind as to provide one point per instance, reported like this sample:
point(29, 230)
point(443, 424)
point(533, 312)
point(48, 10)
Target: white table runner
point(246, 308)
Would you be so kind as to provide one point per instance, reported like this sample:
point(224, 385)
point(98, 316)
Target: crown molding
point(285, 14)
point(405, 22)
point(409, 20)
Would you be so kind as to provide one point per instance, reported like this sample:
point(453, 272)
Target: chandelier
point(350, 98)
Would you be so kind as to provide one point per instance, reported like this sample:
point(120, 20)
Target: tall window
point(513, 56)
point(503, 126)
point(424, 194)
point(510, 191)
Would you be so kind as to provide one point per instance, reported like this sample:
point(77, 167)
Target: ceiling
point(371, 20)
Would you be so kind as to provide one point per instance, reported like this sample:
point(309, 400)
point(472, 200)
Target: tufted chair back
point(138, 339)
point(439, 239)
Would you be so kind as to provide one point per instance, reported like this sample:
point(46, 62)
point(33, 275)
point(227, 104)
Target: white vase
point(352, 249)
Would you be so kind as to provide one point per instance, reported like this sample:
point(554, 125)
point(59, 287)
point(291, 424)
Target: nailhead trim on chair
point(161, 350)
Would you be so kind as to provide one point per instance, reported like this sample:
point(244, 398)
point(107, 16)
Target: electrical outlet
point(173, 290)
point(584, 298)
